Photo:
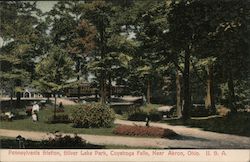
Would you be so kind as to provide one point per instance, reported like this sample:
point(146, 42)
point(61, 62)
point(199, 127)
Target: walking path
point(198, 137)
point(64, 101)
point(190, 138)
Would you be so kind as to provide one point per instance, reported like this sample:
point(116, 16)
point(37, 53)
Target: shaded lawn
point(42, 125)
point(238, 124)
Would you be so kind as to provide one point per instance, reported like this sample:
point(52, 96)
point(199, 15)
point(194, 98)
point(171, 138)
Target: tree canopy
point(178, 51)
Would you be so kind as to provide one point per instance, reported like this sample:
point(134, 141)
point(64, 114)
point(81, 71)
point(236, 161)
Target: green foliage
point(66, 141)
point(61, 118)
point(54, 142)
point(199, 112)
point(23, 40)
point(138, 116)
point(133, 43)
point(141, 114)
point(54, 70)
point(94, 115)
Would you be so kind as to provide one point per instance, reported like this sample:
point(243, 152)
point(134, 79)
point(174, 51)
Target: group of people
point(36, 108)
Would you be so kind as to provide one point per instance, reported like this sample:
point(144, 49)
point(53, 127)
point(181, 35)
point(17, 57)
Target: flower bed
point(144, 131)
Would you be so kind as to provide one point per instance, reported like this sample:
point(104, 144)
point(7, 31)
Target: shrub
point(154, 115)
point(20, 115)
point(59, 110)
point(144, 131)
point(54, 142)
point(123, 109)
point(59, 141)
point(64, 118)
point(140, 115)
point(94, 115)
point(199, 111)
point(66, 141)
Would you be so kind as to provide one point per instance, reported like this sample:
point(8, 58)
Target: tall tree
point(54, 70)
point(73, 33)
point(186, 22)
point(23, 36)
point(113, 47)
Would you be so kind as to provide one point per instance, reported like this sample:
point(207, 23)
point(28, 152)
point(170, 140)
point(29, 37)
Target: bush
point(199, 111)
point(154, 115)
point(93, 116)
point(59, 141)
point(123, 109)
point(144, 131)
point(64, 118)
point(54, 142)
point(59, 110)
point(66, 141)
point(140, 115)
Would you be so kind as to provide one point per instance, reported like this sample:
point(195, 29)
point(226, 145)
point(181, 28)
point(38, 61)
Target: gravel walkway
point(190, 138)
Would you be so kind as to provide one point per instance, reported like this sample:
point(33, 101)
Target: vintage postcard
point(125, 80)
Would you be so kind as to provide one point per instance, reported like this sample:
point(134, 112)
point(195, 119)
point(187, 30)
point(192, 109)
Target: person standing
point(35, 110)
point(35, 107)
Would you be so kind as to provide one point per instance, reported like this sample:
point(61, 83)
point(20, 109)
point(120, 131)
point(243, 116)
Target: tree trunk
point(230, 84)
point(78, 79)
point(11, 99)
point(18, 95)
point(110, 88)
point(209, 99)
point(148, 91)
point(187, 94)
point(178, 95)
point(48, 96)
point(55, 106)
point(103, 76)
point(18, 99)
point(103, 90)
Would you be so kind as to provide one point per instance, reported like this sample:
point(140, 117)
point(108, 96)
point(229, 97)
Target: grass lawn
point(236, 124)
point(43, 126)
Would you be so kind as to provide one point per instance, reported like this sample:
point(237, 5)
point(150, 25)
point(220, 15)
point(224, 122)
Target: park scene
point(125, 74)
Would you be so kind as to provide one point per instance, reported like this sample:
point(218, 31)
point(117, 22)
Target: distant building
point(88, 89)
point(31, 93)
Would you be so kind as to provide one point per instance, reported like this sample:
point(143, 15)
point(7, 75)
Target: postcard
point(125, 80)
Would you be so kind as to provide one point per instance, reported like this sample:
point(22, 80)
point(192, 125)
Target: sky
point(46, 5)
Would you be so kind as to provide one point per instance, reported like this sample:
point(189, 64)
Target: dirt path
point(199, 137)
point(64, 101)
point(191, 138)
